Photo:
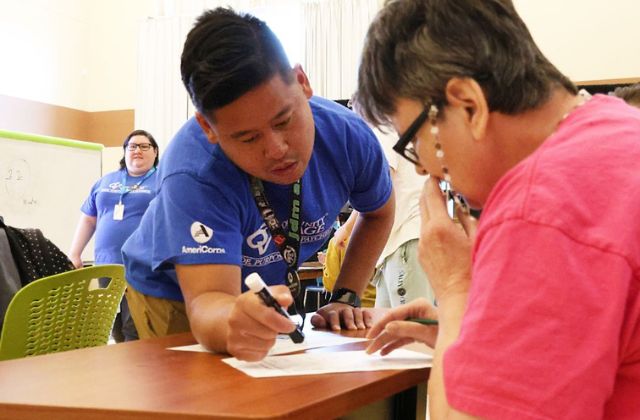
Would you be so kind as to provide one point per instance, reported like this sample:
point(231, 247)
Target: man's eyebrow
point(284, 111)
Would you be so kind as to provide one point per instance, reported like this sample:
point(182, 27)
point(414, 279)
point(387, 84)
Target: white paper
point(312, 339)
point(330, 362)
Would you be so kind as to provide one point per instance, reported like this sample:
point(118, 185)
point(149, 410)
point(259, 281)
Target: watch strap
point(346, 296)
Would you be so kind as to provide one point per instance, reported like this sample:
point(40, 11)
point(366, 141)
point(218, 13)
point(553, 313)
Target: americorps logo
point(201, 233)
point(202, 249)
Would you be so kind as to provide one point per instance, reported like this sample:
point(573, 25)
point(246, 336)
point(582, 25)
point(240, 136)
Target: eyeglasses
point(404, 146)
point(143, 146)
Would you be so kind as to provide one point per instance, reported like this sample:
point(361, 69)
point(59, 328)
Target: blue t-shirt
point(105, 194)
point(205, 212)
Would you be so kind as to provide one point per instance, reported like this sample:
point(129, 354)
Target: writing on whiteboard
point(16, 177)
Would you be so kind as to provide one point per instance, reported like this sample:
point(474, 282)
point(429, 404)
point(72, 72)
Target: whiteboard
point(111, 159)
point(44, 181)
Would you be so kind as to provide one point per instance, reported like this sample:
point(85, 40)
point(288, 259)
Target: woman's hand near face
point(445, 246)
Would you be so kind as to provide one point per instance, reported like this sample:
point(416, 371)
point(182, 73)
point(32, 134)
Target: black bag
point(35, 256)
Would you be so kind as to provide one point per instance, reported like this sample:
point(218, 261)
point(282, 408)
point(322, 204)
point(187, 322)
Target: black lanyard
point(288, 243)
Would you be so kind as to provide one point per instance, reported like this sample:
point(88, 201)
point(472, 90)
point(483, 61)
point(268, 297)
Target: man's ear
point(467, 94)
point(206, 127)
point(303, 80)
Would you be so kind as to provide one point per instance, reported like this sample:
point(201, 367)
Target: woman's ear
point(206, 127)
point(466, 93)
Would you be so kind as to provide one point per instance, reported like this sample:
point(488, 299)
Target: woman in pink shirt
point(538, 306)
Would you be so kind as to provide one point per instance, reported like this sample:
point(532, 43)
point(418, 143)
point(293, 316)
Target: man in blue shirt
point(253, 184)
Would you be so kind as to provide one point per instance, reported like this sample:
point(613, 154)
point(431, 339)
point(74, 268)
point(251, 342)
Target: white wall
point(586, 39)
point(113, 52)
point(111, 159)
point(82, 54)
point(74, 53)
point(43, 50)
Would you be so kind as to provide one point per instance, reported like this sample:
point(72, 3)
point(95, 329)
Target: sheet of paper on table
point(313, 339)
point(330, 362)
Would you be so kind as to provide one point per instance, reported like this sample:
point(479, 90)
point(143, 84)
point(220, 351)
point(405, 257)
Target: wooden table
point(310, 270)
point(144, 380)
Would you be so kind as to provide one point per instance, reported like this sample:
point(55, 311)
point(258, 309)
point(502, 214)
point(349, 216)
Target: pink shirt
point(552, 327)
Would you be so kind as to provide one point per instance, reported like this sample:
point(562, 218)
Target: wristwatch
point(344, 295)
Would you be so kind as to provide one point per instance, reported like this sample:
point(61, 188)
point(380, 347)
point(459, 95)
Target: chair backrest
point(62, 312)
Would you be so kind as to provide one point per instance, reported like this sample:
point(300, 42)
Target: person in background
point(251, 184)
point(113, 211)
point(539, 303)
point(332, 261)
point(398, 278)
point(630, 94)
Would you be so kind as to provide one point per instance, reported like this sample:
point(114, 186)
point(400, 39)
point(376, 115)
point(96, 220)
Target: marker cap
point(254, 282)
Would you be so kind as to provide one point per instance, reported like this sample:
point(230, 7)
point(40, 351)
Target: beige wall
point(111, 157)
point(586, 39)
point(73, 53)
point(113, 52)
point(69, 66)
point(44, 51)
point(105, 127)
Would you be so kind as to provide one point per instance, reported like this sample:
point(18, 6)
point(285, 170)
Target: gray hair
point(414, 47)
point(630, 94)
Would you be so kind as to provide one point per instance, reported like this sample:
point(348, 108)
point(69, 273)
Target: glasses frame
point(142, 146)
point(405, 146)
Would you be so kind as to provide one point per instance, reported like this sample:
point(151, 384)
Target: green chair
point(62, 312)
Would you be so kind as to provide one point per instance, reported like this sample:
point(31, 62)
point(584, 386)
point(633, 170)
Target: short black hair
point(148, 135)
point(227, 54)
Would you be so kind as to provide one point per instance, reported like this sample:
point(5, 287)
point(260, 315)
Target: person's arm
point(445, 255)
point(450, 311)
point(224, 320)
point(84, 231)
point(368, 238)
point(344, 232)
point(341, 237)
point(332, 263)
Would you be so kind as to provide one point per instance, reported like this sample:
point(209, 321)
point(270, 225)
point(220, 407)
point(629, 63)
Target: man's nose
point(276, 146)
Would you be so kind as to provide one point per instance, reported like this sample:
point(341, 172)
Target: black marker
point(255, 283)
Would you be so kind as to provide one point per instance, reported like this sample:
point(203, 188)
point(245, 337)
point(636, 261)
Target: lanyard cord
point(288, 243)
point(124, 190)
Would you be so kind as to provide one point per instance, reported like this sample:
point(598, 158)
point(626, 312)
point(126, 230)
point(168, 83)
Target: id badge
point(118, 211)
